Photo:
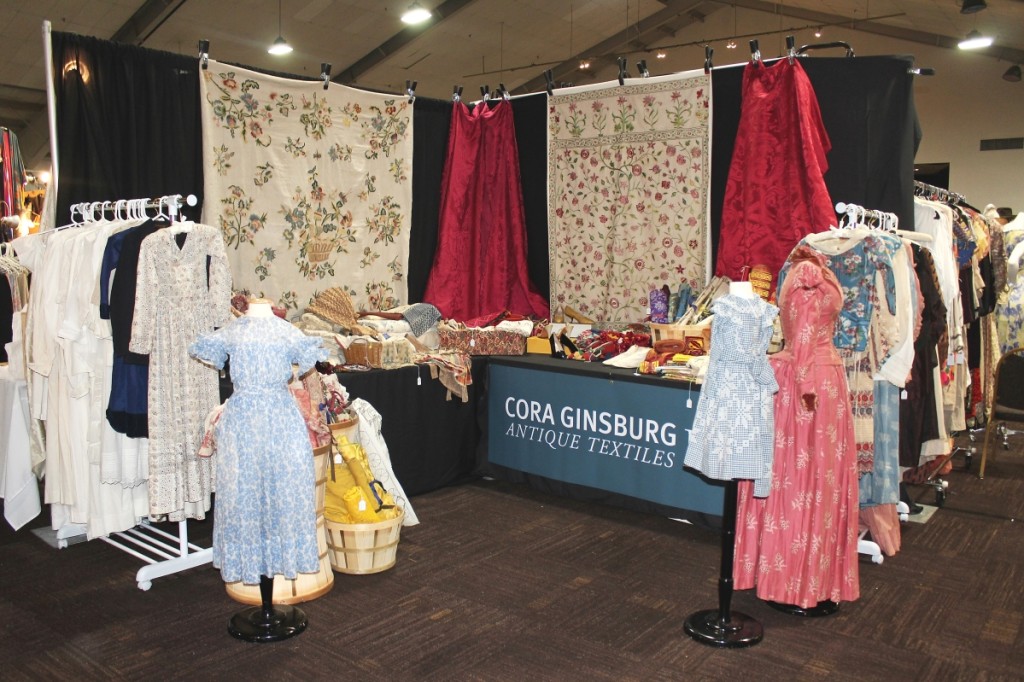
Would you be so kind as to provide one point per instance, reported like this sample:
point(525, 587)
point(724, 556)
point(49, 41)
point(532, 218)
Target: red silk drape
point(776, 193)
point(480, 264)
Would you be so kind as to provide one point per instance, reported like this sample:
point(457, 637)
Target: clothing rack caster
point(869, 547)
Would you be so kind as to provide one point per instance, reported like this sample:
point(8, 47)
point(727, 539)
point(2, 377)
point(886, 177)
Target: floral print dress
point(265, 523)
point(799, 545)
point(1010, 308)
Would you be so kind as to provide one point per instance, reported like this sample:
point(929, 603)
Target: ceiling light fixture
point(817, 32)
point(660, 55)
point(974, 41)
point(972, 6)
point(280, 45)
point(731, 45)
point(416, 14)
point(1012, 74)
point(584, 64)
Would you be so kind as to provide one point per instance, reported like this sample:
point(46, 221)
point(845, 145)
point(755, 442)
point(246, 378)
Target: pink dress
point(799, 545)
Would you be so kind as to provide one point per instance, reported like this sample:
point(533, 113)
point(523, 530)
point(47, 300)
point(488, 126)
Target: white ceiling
point(468, 42)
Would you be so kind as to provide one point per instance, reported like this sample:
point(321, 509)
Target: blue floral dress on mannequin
point(265, 519)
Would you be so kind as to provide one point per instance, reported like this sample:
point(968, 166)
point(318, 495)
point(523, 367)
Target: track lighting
point(1012, 74)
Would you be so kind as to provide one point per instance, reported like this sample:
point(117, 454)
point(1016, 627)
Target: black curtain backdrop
point(531, 117)
point(431, 119)
point(128, 123)
point(867, 105)
point(431, 123)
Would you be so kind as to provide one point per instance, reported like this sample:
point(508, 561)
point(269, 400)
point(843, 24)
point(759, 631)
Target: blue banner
point(621, 436)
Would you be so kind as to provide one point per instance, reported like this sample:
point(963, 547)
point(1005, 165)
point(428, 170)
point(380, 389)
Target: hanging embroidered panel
point(628, 192)
point(311, 188)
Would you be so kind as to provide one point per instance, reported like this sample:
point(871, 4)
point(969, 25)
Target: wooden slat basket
point(363, 548)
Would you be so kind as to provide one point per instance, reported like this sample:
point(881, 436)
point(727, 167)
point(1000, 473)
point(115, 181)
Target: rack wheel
point(970, 436)
point(968, 459)
point(144, 585)
point(940, 497)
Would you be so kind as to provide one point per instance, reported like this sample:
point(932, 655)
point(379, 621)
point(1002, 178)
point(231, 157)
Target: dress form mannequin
point(267, 622)
point(259, 307)
point(744, 289)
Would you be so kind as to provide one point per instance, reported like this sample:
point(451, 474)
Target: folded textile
point(421, 317)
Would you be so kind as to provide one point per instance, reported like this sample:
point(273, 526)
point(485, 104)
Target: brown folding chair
point(1008, 406)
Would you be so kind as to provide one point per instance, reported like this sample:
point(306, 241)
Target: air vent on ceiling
point(1002, 143)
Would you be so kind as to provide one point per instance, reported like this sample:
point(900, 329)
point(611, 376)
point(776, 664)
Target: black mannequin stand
point(267, 623)
point(723, 627)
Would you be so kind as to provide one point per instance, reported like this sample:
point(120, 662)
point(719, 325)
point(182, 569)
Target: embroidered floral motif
point(327, 170)
point(627, 181)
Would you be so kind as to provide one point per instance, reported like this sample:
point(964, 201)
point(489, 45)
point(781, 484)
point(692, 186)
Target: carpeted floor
point(501, 582)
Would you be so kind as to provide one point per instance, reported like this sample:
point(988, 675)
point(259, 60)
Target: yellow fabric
point(359, 508)
point(351, 484)
point(359, 467)
point(334, 503)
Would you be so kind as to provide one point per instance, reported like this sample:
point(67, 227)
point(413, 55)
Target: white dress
point(182, 292)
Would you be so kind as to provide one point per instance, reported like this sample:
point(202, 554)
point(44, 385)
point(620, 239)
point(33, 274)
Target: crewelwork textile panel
point(311, 188)
point(628, 184)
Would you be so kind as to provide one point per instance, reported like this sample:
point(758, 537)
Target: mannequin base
point(740, 631)
point(823, 608)
point(253, 625)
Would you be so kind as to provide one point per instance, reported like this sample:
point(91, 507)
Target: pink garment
point(799, 545)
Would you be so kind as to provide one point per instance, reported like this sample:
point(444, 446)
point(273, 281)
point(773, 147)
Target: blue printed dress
point(733, 430)
point(265, 520)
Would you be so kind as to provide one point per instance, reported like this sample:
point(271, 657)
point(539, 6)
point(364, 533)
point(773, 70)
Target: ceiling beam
point(145, 21)
point(351, 73)
point(677, 15)
point(900, 33)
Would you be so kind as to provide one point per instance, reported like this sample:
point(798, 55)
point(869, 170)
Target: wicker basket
point(317, 250)
point(305, 586)
point(363, 548)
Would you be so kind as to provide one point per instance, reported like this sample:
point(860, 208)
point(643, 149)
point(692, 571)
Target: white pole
point(48, 219)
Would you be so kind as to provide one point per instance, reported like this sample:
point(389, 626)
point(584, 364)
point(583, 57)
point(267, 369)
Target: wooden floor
point(500, 582)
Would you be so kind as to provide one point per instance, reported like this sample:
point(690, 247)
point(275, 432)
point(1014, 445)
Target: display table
point(602, 428)
point(18, 485)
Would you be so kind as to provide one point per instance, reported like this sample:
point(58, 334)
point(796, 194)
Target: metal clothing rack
point(164, 553)
point(923, 189)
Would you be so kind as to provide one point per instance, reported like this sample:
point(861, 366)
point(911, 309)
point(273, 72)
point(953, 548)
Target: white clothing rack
point(163, 552)
point(178, 554)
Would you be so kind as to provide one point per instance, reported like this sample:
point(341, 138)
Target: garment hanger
point(178, 227)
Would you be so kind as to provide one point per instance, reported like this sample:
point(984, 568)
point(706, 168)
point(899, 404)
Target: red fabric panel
point(776, 193)
point(480, 264)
